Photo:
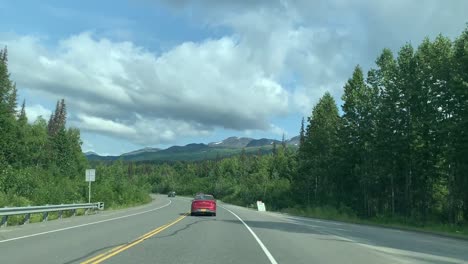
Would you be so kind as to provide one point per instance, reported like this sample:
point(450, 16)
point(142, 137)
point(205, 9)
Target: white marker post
point(261, 206)
point(90, 177)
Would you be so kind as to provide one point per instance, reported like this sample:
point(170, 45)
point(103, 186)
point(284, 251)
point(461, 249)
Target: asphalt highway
point(163, 232)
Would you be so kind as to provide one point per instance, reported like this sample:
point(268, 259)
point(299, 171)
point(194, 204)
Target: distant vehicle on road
point(203, 204)
point(171, 194)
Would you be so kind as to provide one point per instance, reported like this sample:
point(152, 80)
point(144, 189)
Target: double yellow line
point(109, 254)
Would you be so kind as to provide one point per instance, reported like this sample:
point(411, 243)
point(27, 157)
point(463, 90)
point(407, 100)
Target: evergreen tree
point(283, 142)
point(358, 133)
point(301, 134)
point(8, 144)
point(316, 162)
point(22, 118)
point(51, 125)
point(459, 124)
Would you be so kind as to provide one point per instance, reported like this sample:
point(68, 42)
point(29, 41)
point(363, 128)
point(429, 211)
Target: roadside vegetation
point(332, 213)
point(397, 153)
point(42, 162)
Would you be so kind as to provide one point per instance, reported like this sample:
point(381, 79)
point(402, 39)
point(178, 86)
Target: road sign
point(90, 175)
point(261, 206)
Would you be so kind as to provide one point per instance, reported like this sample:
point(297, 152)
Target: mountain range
point(198, 151)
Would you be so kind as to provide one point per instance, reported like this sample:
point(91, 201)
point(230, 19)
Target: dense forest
point(42, 163)
point(397, 150)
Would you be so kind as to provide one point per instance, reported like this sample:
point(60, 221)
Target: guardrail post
point(27, 217)
point(73, 212)
point(60, 214)
point(4, 221)
point(45, 216)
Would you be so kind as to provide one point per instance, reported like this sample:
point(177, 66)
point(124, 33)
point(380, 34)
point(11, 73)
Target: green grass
point(117, 207)
point(346, 215)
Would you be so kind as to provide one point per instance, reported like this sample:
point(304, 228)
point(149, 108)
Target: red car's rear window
point(204, 197)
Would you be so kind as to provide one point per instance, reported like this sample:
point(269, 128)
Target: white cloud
point(97, 124)
point(320, 42)
point(312, 58)
point(34, 111)
point(109, 84)
point(278, 130)
point(143, 131)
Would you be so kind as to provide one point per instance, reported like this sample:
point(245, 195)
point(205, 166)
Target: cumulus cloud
point(320, 42)
point(114, 87)
point(142, 130)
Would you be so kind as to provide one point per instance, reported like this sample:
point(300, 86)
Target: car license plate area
point(202, 210)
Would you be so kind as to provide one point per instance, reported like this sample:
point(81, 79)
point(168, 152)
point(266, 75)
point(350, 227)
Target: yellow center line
point(104, 256)
point(93, 258)
point(118, 247)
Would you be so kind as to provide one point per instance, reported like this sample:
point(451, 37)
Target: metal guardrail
point(45, 209)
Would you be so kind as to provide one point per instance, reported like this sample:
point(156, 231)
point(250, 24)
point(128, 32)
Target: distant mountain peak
point(231, 142)
point(139, 151)
point(293, 141)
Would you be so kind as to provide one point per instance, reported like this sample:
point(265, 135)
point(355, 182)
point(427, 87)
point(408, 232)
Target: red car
point(203, 204)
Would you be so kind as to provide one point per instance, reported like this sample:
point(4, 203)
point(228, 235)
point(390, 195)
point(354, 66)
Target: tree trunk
point(393, 194)
point(316, 187)
point(451, 200)
point(408, 198)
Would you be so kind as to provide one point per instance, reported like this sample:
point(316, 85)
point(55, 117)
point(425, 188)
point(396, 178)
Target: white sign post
point(90, 177)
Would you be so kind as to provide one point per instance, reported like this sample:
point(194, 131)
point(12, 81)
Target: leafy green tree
point(22, 118)
point(8, 92)
point(37, 143)
point(8, 146)
point(458, 115)
point(22, 137)
point(316, 160)
point(358, 137)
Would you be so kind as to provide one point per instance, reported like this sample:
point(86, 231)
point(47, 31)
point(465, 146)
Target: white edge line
point(265, 250)
point(87, 224)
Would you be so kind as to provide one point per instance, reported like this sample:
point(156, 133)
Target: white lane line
point(265, 250)
point(87, 224)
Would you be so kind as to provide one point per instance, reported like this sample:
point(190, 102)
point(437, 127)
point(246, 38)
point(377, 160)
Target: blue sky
point(159, 73)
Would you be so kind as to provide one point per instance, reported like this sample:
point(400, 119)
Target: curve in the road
point(235, 235)
point(82, 225)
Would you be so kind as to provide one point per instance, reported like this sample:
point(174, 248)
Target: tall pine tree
point(315, 176)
